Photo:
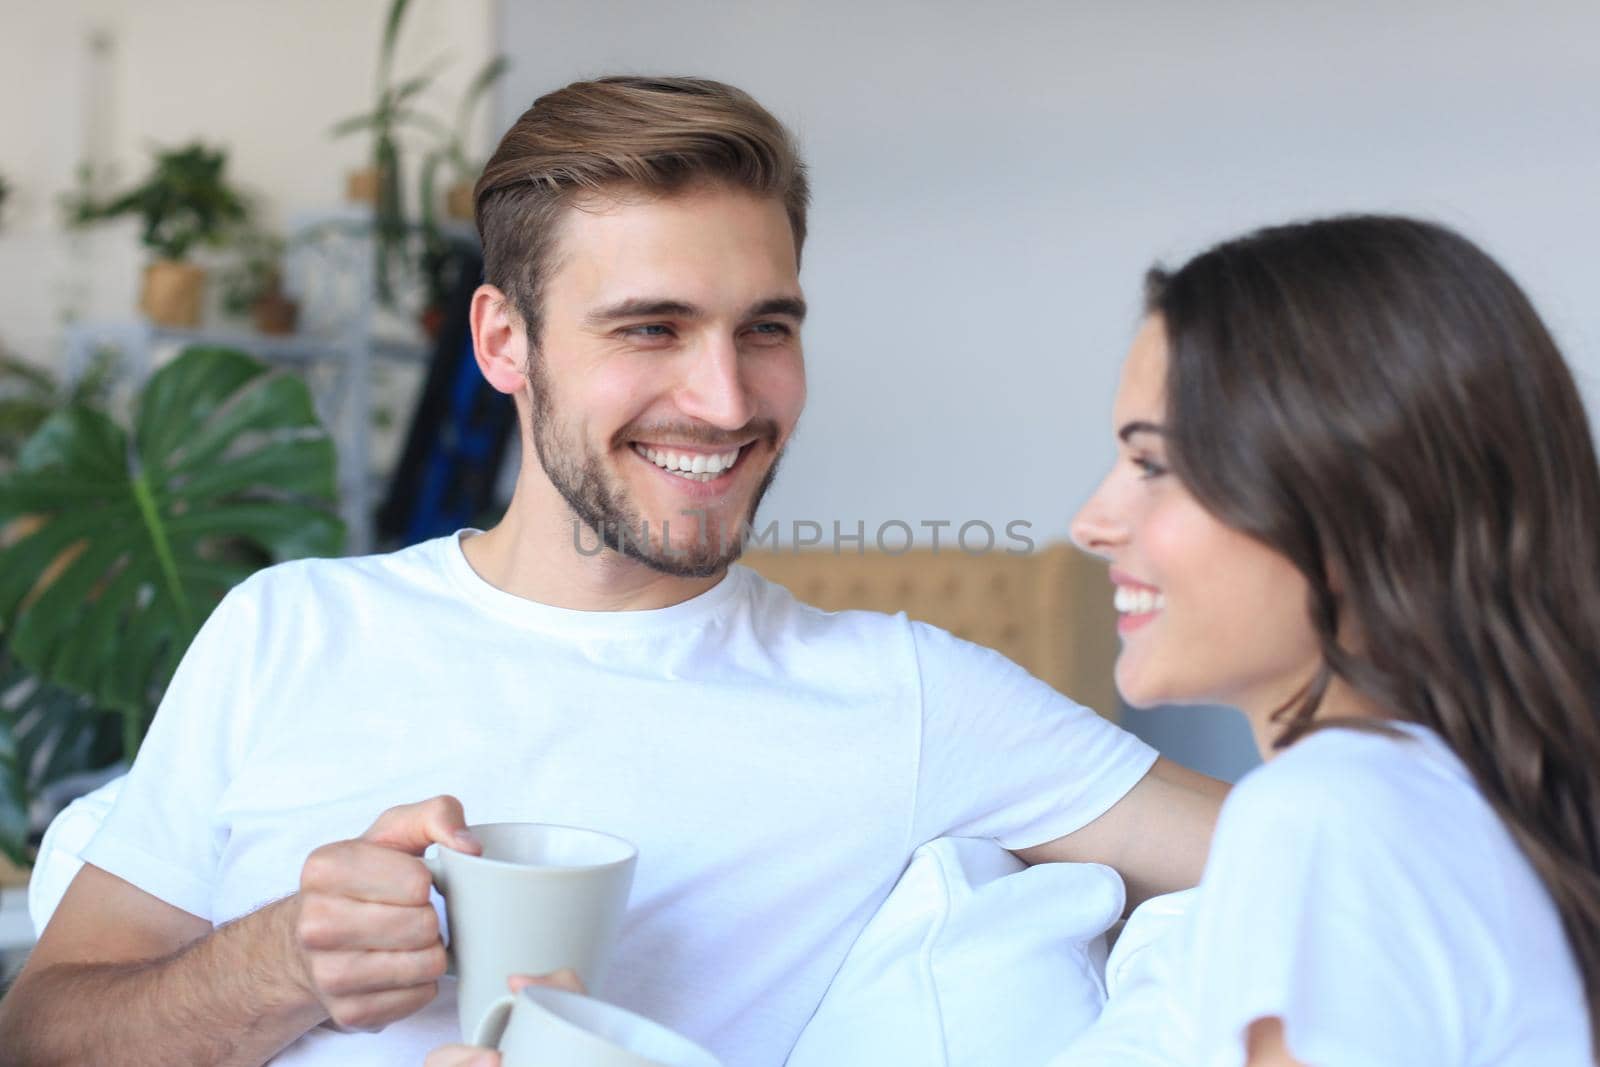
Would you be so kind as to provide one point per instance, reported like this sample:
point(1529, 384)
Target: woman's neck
point(1339, 701)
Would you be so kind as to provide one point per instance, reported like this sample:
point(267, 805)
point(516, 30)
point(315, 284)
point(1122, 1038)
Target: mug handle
point(435, 865)
point(492, 1027)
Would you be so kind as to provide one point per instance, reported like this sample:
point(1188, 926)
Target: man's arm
point(1157, 836)
point(122, 977)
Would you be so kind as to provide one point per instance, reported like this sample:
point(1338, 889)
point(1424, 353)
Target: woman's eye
point(1148, 468)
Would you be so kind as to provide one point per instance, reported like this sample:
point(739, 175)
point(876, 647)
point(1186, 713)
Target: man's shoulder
point(779, 605)
point(940, 661)
point(311, 584)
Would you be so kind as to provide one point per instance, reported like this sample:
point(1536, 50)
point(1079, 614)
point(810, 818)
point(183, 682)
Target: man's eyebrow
point(650, 307)
point(791, 306)
point(1140, 426)
point(641, 307)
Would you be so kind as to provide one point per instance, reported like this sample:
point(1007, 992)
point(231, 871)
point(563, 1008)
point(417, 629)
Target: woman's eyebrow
point(1139, 426)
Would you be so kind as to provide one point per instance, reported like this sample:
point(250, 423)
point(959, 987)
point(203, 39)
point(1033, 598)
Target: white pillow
point(1140, 1026)
point(973, 960)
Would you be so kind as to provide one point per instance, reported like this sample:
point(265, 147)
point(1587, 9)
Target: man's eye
point(647, 331)
point(771, 331)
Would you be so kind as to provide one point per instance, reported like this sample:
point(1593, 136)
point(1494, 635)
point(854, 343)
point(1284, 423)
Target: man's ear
point(499, 340)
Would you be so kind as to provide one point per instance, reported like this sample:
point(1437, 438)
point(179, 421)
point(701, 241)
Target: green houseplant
point(184, 202)
point(438, 266)
point(46, 732)
point(382, 184)
point(116, 543)
point(29, 394)
point(451, 149)
point(252, 282)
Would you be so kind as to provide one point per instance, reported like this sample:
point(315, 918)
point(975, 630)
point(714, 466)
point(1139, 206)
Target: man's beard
point(601, 502)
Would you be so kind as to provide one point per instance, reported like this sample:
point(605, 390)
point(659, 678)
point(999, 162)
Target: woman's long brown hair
point(1376, 399)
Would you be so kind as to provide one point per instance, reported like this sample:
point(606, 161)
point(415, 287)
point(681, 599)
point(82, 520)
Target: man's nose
point(714, 388)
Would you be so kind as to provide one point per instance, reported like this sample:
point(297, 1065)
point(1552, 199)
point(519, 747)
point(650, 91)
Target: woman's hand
point(462, 1056)
point(473, 1056)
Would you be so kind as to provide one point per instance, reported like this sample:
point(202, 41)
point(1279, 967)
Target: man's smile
point(696, 465)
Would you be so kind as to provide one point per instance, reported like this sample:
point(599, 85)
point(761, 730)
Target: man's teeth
point(697, 468)
point(1138, 601)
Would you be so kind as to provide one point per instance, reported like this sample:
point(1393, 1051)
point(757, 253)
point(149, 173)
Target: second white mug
point(542, 1027)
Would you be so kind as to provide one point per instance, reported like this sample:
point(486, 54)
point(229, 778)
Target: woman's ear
point(499, 340)
point(1347, 627)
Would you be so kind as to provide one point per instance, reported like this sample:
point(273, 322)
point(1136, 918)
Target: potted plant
point(117, 541)
point(451, 150)
point(380, 182)
point(253, 283)
point(183, 203)
point(439, 262)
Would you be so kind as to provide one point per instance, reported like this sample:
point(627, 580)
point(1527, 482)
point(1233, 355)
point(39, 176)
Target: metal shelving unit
point(329, 271)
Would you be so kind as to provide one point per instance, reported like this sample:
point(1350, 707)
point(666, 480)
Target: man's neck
point(534, 552)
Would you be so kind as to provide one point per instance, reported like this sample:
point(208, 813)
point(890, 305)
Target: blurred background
point(990, 182)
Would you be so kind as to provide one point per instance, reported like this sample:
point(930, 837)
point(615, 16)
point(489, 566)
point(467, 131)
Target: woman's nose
point(1096, 528)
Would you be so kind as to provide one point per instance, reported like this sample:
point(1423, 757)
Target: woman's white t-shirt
point(1361, 889)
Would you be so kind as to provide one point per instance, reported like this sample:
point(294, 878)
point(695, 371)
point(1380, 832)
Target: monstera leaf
point(47, 733)
point(115, 547)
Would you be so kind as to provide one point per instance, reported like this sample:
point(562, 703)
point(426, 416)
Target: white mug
point(543, 1027)
point(539, 899)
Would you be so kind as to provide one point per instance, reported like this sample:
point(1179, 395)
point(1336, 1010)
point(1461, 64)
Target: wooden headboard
point(1048, 610)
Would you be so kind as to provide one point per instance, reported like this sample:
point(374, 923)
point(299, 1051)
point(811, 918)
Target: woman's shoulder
point(1354, 845)
point(1397, 782)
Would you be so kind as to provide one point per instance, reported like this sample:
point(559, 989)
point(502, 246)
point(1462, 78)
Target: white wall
point(991, 181)
point(266, 78)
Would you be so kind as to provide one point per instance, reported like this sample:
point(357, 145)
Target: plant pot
point(361, 186)
point(274, 314)
point(458, 202)
point(431, 321)
point(172, 292)
point(12, 876)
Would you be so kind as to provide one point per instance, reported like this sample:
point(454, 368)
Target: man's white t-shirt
point(775, 764)
point(1361, 889)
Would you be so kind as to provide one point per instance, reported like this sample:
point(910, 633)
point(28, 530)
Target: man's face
point(668, 376)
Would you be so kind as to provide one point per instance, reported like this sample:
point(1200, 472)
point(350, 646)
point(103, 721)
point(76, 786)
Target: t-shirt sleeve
point(1004, 756)
point(1308, 912)
point(161, 835)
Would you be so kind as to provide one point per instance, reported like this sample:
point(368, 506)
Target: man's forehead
point(696, 247)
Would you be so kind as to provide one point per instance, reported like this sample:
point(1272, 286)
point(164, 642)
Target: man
point(776, 765)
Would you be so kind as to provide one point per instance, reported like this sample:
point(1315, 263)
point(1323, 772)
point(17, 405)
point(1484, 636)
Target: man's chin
point(684, 561)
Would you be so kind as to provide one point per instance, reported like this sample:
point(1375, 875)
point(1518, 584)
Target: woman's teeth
point(1138, 601)
point(696, 468)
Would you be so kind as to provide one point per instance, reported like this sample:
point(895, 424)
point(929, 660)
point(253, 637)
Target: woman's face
point(1207, 615)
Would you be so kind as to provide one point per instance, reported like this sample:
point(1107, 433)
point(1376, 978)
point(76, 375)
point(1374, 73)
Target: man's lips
point(700, 470)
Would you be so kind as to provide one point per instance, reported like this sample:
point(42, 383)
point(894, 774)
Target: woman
point(1357, 498)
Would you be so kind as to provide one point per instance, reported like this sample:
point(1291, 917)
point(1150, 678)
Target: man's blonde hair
point(655, 135)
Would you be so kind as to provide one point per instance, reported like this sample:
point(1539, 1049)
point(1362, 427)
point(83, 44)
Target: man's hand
point(365, 934)
point(472, 1055)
